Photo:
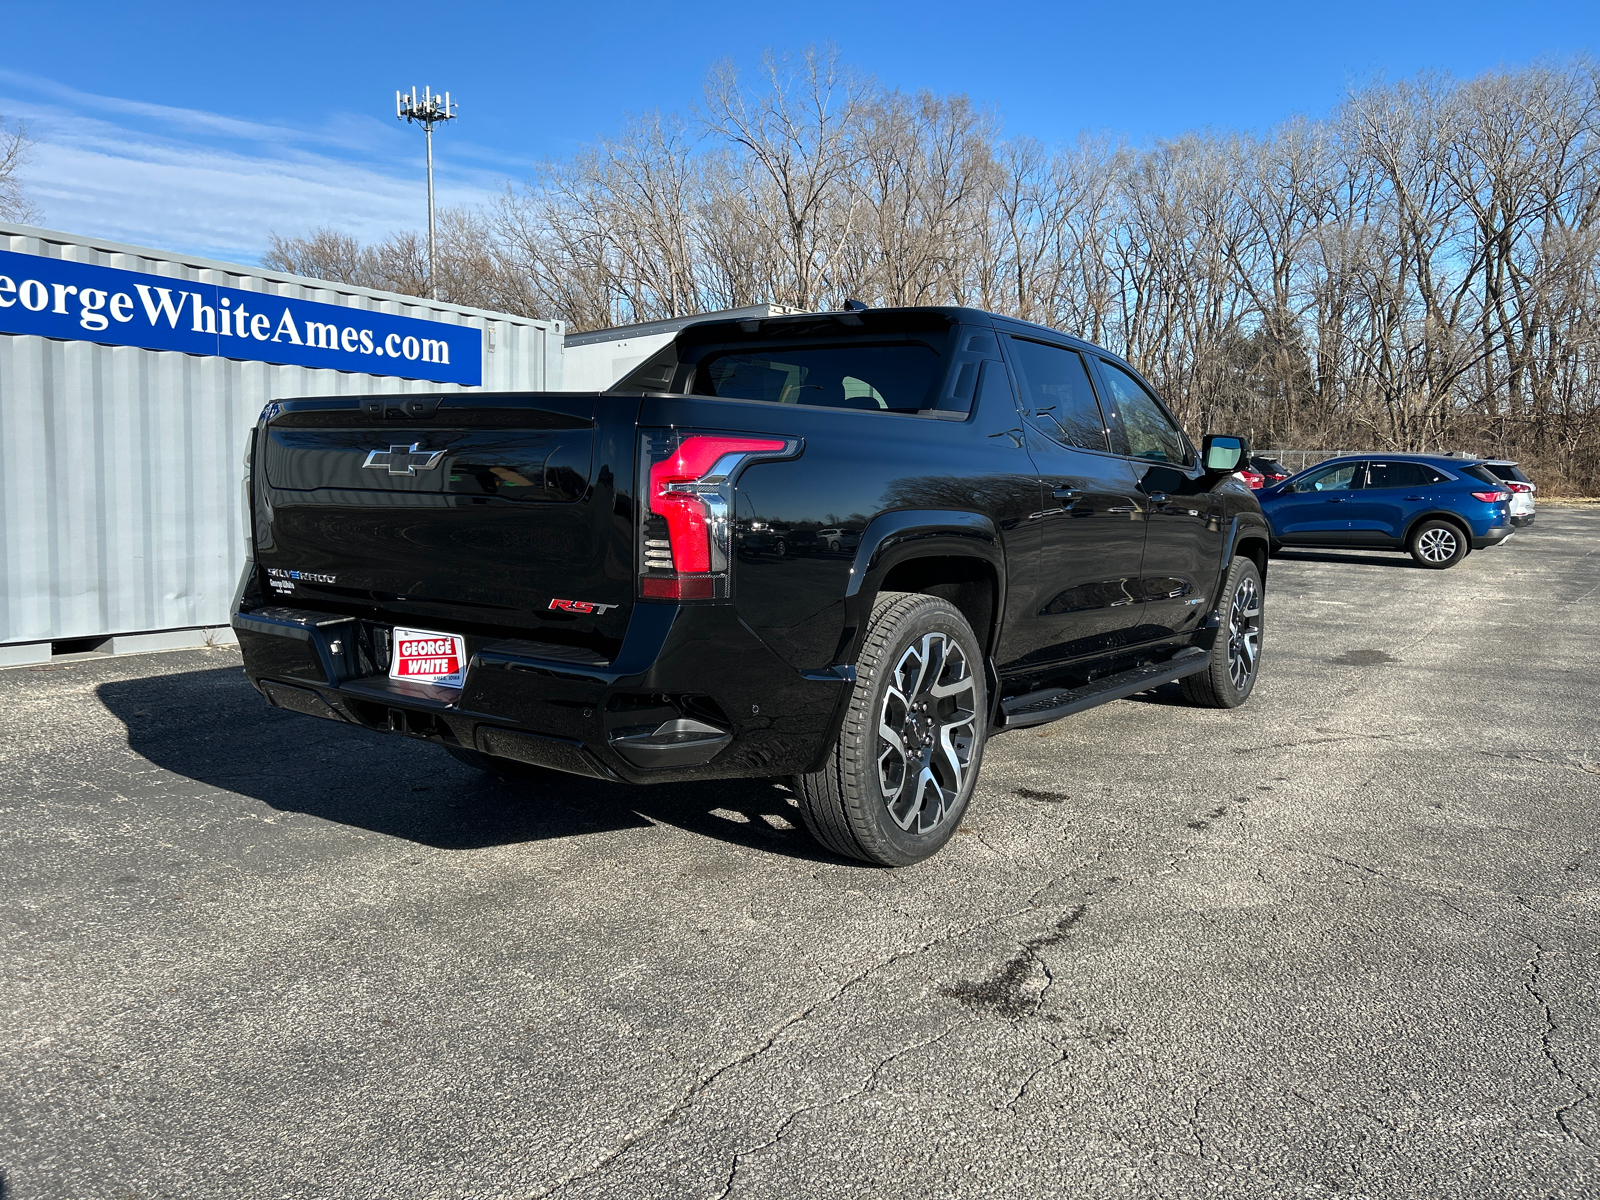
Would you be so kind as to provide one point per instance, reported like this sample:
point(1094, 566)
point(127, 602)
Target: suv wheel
point(1235, 663)
point(1438, 544)
point(903, 770)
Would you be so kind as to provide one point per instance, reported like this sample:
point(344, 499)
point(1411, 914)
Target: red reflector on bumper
point(691, 587)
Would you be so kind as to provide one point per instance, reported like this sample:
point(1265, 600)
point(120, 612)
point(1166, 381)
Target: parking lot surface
point(1342, 941)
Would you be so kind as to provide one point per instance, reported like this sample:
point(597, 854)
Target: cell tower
point(430, 110)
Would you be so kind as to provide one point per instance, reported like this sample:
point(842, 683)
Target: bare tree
point(801, 138)
point(15, 151)
point(1421, 270)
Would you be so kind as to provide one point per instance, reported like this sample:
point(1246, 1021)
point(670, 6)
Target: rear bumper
point(692, 694)
point(1493, 537)
point(1522, 520)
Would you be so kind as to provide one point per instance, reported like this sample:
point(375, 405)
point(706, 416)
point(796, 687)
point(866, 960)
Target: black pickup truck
point(593, 583)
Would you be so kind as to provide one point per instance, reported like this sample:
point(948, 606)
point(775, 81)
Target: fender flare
point(1244, 526)
point(1438, 514)
point(896, 537)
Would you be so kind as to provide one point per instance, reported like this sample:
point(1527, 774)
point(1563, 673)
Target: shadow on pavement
point(212, 727)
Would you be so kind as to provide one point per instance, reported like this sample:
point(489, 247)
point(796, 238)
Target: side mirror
point(1223, 453)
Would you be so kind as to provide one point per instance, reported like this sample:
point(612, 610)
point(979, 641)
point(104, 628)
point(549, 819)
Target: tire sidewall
point(1462, 544)
point(872, 823)
point(1222, 678)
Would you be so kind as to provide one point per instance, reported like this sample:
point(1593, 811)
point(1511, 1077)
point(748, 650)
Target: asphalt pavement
point(1342, 941)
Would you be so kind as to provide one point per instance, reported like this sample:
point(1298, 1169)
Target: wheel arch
point(1441, 514)
point(1250, 538)
point(954, 555)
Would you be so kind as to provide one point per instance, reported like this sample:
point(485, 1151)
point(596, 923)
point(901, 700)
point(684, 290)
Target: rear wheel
point(1230, 675)
point(1437, 545)
point(903, 770)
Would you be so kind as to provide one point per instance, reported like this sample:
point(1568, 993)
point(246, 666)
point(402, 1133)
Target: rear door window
point(893, 378)
point(1401, 475)
point(1150, 433)
point(1057, 394)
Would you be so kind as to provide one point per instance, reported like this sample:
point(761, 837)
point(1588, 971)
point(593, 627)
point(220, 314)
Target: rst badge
point(424, 656)
point(581, 606)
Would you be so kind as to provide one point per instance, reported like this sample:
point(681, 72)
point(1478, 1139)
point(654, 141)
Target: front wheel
point(902, 772)
point(1230, 675)
point(1437, 545)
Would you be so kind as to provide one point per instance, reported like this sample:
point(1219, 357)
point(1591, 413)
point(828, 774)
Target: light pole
point(429, 111)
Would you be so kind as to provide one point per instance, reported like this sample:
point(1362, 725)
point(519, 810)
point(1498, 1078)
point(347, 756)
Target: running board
point(1051, 704)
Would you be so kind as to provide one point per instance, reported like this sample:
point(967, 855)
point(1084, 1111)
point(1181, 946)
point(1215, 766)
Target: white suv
point(1522, 490)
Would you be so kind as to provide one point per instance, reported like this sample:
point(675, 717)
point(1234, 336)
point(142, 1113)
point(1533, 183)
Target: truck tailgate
point(468, 509)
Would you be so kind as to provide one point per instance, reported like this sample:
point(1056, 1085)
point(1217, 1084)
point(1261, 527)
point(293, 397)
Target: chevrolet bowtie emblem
point(404, 460)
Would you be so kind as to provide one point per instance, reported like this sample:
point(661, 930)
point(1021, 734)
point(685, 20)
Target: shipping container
point(129, 381)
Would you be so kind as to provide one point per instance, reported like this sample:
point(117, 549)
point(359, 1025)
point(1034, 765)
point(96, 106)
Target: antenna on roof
point(854, 306)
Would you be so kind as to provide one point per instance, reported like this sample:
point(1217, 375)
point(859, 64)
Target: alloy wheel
point(1244, 633)
point(927, 730)
point(1437, 545)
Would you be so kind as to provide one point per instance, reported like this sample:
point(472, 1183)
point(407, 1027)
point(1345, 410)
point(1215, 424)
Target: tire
point(1438, 545)
point(834, 546)
point(880, 799)
point(505, 768)
point(1230, 676)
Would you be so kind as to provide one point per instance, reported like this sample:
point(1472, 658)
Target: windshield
point(893, 378)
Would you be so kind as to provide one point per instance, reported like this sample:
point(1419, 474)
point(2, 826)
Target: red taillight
point(684, 528)
point(1491, 497)
point(1519, 487)
point(1254, 478)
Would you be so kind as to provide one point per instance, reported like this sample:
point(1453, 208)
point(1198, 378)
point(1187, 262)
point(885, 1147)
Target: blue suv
point(1438, 508)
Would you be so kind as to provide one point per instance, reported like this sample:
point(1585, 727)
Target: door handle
point(1066, 495)
point(1337, 499)
point(1413, 497)
point(1158, 497)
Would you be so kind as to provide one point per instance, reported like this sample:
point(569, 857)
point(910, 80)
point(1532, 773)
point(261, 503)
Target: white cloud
point(206, 183)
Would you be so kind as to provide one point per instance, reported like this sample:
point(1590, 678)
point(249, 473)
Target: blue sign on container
point(54, 298)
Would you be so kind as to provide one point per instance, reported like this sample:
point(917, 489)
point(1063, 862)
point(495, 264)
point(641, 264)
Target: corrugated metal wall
point(120, 468)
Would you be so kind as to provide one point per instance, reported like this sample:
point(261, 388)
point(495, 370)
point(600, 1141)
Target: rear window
point(1482, 473)
point(893, 378)
point(1508, 471)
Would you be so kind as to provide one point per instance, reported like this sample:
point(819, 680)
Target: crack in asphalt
point(1002, 992)
point(869, 1085)
point(704, 1083)
point(1193, 1119)
point(1322, 741)
point(1585, 1095)
point(1400, 880)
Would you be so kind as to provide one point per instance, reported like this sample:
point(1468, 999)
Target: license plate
point(426, 656)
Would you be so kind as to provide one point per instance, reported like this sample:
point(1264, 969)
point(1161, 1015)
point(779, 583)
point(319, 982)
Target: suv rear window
point(893, 378)
point(1482, 473)
point(1508, 471)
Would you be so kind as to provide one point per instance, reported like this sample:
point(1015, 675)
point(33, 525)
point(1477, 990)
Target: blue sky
point(203, 127)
